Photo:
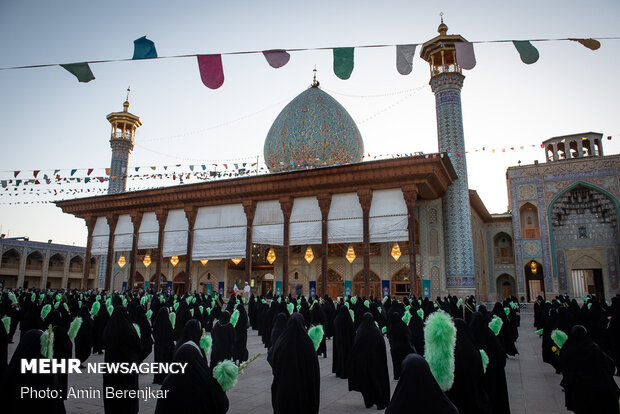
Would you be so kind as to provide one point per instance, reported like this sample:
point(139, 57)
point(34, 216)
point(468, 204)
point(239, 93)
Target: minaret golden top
point(442, 29)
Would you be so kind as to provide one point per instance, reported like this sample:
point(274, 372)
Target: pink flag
point(276, 58)
point(211, 70)
point(465, 55)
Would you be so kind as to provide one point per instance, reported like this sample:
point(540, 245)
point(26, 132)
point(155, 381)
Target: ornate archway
point(335, 283)
point(374, 284)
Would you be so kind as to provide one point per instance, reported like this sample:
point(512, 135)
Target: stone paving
point(533, 385)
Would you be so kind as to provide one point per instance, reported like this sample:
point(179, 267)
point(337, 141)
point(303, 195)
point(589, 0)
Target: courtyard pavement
point(533, 385)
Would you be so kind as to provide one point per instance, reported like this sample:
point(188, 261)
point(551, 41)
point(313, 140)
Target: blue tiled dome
point(312, 130)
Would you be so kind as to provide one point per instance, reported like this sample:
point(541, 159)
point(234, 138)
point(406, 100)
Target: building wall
point(541, 185)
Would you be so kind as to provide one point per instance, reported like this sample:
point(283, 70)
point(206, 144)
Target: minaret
point(446, 83)
point(124, 126)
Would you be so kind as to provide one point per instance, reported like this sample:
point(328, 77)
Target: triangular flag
point(80, 70)
point(529, 54)
point(90, 170)
point(107, 171)
point(35, 173)
point(144, 48)
point(276, 58)
point(16, 173)
point(343, 62)
point(591, 44)
point(404, 58)
point(56, 171)
point(465, 55)
point(73, 171)
point(211, 70)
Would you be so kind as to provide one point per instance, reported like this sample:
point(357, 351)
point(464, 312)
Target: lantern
point(204, 262)
point(309, 256)
point(271, 255)
point(396, 251)
point(236, 261)
point(146, 261)
point(174, 260)
point(350, 254)
point(121, 262)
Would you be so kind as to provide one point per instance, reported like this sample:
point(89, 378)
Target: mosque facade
point(324, 222)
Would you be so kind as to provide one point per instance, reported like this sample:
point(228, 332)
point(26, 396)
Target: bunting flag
point(73, 171)
point(529, 54)
point(276, 58)
point(404, 58)
point(211, 70)
point(80, 70)
point(465, 55)
point(107, 171)
point(343, 62)
point(591, 44)
point(144, 48)
point(15, 174)
point(35, 173)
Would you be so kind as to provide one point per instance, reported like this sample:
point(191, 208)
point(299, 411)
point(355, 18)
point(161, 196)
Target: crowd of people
point(448, 355)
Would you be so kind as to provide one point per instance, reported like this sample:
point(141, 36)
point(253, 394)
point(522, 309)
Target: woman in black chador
point(468, 393)
point(195, 391)
point(163, 341)
point(223, 335)
point(318, 318)
point(399, 336)
point(587, 372)
point(191, 332)
point(10, 388)
point(495, 375)
point(506, 334)
point(84, 338)
point(368, 370)
point(296, 376)
point(138, 316)
point(240, 349)
point(122, 344)
point(344, 335)
point(417, 391)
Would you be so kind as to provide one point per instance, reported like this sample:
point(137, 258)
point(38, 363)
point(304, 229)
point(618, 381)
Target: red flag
point(35, 173)
point(90, 170)
point(211, 70)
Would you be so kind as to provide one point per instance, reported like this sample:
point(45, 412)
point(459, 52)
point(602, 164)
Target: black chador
point(399, 337)
point(122, 344)
point(495, 375)
point(344, 335)
point(63, 348)
point(279, 326)
point(417, 391)
point(138, 316)
point(223, 335)
point(240, 349)
point(468, 393)
point(368, 371)
point(195, 391)
point(84, 338)
point(100, 321)
point(163, 341)
point(10, 390)
point(318, 318)
point(588, 382)
point(296, 375)
point(191, 332)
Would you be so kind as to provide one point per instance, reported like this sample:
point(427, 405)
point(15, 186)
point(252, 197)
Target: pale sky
point(50, 121)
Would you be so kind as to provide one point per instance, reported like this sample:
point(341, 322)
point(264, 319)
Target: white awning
point(175, 234)
point(388, 216)
point(345, 219)
point(148, 235)
point(101, 237)
point(305, 224)
point(219, 232)
point(123, 234)
point(268, 225)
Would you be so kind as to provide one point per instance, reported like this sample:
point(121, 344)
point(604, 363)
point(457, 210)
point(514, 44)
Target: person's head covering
point(224, 318)
point(191, 332)
point(418, 388)
point(195, 390)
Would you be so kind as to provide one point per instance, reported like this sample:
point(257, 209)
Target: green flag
point(80, 70)
point(343, 62)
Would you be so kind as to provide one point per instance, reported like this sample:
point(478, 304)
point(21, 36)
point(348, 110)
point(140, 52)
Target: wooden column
point(90, 225)
point(190, 214)
point(286, 203)
point(136, 219)
point(365, 198)
point(325, 201)
point(162, 216)
point(112, 220)
point(249, 206)
point(410, 193)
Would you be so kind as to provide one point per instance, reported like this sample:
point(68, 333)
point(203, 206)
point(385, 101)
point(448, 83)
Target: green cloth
point(80, 70)
point(343, 62)
point(529, 54)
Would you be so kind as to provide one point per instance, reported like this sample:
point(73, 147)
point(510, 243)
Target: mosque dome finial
point(126, 103)
point(442, 29)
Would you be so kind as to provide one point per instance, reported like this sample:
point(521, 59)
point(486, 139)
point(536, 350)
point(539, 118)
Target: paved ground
point(533, 386)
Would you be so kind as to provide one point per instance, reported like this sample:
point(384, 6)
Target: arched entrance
point(335, 284)
point(505, 286)
point(374, 284)
point(534, 280)
point(158, 284)
point(400, 285)
point(298, 283)
point(139, 280)
point(178, 284)
point(267, 284)
point(10, 268)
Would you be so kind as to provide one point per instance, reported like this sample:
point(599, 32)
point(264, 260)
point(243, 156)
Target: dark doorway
point(534, 280)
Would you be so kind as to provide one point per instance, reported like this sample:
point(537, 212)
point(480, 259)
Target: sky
point(50, 121)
